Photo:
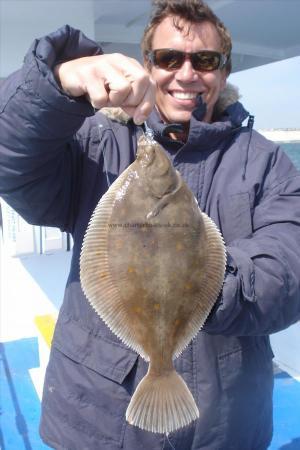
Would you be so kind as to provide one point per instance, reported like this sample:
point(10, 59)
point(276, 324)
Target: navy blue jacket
point(57, 158)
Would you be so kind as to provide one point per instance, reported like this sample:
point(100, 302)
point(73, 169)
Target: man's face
point(177, 89)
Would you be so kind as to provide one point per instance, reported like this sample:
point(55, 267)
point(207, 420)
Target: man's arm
point(43, 106)
point(261, 292)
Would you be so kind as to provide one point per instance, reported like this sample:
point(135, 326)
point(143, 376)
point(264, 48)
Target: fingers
point(96, 93)
point(119, 87)
point(110, 80)
point(146, 104)
point(141, 99)
point(131, 88)
point(140, 112)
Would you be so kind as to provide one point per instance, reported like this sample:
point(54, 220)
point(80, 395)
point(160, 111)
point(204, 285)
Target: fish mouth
point(145, 152)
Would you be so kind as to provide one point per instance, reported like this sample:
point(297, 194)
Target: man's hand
point(110, 80)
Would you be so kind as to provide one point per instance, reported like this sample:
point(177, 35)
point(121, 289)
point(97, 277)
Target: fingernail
point(139, 120)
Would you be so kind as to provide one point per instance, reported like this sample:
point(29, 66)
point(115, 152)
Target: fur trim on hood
point(227, 97)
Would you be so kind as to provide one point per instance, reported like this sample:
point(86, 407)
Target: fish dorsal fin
point(96, 281)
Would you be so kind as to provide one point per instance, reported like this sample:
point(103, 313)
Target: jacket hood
point(228, 96)
point(228, 116)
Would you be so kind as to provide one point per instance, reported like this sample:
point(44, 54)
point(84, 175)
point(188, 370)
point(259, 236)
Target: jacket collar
point(228, 116)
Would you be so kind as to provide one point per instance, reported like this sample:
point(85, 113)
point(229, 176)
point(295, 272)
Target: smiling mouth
point(185, 95)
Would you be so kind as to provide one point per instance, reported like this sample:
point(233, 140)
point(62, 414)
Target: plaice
point(152, 265)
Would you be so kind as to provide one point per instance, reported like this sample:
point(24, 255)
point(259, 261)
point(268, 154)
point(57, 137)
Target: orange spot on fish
point(179, 246)
point(188, 286)
point(156, 306)
point(131, 269)
point(103, 274)
point(118, 244)
point(137, 309)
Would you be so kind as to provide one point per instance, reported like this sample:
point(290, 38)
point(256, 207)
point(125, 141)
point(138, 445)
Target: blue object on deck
point(286, 413)
point(20, 405)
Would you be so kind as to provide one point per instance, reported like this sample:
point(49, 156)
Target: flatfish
point(152, 265)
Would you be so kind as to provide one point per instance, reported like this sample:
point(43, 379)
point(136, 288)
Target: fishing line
point(171, 445)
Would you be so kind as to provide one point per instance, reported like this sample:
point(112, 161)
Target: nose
point(186, 72)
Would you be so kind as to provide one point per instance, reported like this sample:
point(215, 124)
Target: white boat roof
point(263, 31)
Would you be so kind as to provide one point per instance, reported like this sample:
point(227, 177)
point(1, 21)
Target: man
point(57, 158)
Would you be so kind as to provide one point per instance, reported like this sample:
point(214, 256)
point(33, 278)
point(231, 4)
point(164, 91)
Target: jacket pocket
point(235, 216)
point(88, 387)
point(108, 358)
point(248, 361)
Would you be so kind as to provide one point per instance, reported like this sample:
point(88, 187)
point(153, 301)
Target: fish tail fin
point(162, 404)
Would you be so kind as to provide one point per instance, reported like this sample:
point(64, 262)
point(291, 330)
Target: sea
point(293, 151)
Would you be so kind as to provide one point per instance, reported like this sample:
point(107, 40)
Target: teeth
point(185, 95)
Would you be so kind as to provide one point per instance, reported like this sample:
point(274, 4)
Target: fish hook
point(149, 133)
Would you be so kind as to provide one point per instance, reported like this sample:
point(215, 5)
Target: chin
point(180, 118)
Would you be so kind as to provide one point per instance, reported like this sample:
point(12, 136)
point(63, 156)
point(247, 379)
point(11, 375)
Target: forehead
point(186, 36)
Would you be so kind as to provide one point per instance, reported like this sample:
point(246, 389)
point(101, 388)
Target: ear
point(147, 64)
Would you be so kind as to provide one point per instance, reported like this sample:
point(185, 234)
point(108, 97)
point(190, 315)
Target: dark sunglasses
point(204, 60)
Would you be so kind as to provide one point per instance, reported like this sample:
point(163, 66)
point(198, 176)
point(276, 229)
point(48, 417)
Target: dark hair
point(193, 11)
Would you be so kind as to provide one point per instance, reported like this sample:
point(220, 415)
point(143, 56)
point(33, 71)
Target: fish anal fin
point(211, 285)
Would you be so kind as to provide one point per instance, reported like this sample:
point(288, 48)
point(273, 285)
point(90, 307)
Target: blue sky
point(271, 93)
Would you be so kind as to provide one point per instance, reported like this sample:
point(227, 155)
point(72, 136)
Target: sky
point(271, 93)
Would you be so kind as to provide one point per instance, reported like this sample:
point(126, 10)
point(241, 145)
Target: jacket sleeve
point(261, 291)
point(39, 154)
